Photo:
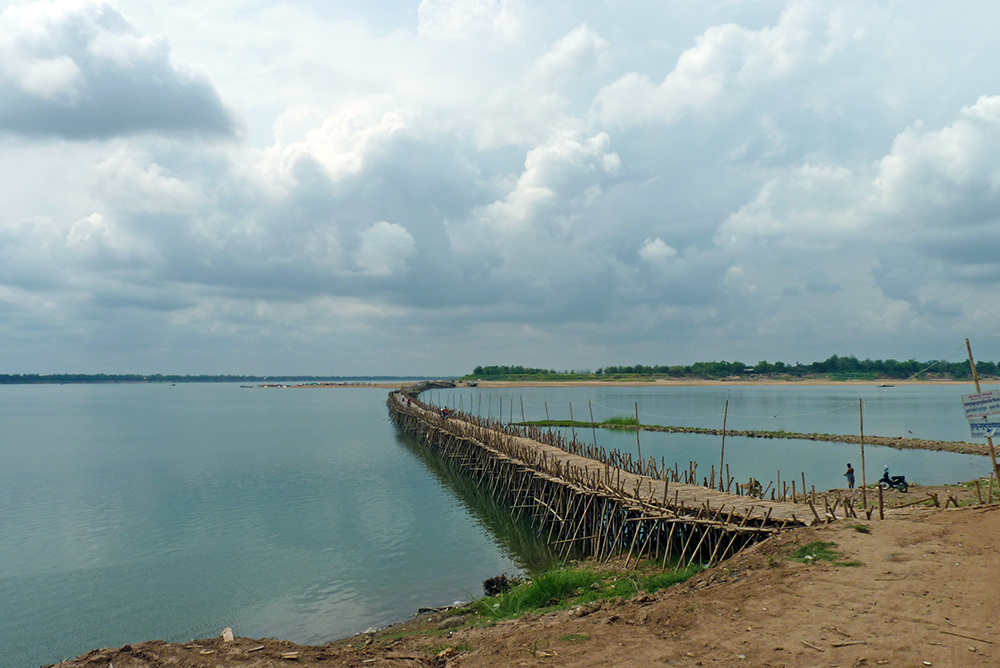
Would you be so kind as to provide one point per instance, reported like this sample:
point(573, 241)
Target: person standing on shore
point(850, 476)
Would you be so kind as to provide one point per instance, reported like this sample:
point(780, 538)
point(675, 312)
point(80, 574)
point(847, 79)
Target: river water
point(931, 412)
point(134, 512)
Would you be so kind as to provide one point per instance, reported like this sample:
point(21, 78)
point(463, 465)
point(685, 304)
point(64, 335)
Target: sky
point(349, 187)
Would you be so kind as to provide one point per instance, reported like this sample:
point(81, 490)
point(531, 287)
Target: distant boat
point(886, 385)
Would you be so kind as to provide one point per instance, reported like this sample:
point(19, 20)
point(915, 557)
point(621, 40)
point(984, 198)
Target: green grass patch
point(861, 528)
point(819, 550)
point(616, 422)
point(654, 583)
point(565, 588)
point(619, 422)
point(557, 423)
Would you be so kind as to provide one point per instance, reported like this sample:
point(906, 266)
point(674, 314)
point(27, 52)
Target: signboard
point(984, 403)
point(985, 427)
point(982, 410)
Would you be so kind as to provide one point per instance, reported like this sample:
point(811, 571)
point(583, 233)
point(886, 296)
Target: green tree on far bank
point(834, 367)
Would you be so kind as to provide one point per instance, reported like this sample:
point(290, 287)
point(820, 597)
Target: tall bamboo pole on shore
point(975, 377)
point(864, 491)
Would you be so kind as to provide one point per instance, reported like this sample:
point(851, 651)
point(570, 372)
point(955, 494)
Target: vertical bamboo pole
point(975, 377)
point(572, 423)
point(522, 410)
point(637, 447)
point(593, 427)
point(722, 455)
point(864, 481)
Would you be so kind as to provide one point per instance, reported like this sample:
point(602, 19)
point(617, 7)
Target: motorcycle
point(893, 482)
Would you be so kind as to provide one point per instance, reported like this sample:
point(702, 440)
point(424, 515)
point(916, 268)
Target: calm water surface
point(913, 411)
point(133, 512)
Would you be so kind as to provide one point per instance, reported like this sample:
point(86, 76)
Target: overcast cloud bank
point(421, 187)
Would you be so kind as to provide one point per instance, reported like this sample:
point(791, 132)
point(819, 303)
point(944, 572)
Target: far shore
point(659, 382)
point(697, 382)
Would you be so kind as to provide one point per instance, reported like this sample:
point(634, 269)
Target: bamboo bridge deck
point(595, 507)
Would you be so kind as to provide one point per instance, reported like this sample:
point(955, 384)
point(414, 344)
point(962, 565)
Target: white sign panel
point(979, 405)
point(985, 427)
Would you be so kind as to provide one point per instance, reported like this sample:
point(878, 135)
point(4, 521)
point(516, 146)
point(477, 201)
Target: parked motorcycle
point(893, 482)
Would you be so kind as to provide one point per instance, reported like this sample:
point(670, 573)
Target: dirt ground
point(923, 591)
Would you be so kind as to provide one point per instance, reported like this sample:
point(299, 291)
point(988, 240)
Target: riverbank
point(886, 383)
point(734, 381)
point(918, 588)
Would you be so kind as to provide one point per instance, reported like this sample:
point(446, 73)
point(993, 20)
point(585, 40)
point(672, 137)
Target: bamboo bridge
point(595, 503)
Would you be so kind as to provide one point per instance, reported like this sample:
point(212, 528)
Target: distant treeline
point(59, 378)
point(834, 367)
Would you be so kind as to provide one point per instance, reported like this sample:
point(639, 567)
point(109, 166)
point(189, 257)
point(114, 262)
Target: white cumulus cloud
point(656, 251)
point(77, 69)
point(385, 249)
point(467, 19)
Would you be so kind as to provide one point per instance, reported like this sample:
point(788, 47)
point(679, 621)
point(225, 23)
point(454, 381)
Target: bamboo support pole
point(572, 423)
point(864, 480)
point(637, 446)
point(722, 454)
point(989, 439)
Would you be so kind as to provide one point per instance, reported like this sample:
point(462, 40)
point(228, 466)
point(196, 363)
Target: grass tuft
point(819, 550)
point(619, 421)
